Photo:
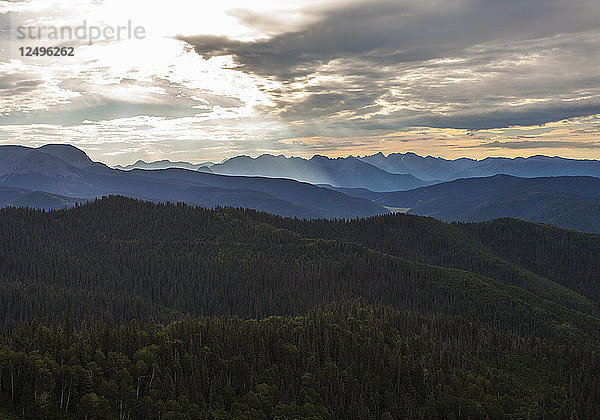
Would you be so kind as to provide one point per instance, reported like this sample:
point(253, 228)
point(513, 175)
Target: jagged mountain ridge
point(339, 172)
point(347, 172)
point(66, 171)
point(435, 168)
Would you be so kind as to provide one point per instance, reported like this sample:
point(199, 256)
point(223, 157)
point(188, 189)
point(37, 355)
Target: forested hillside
point(447, 320)
point(568, 201)
point(566, 256)
point(347, 361)
point(17, 197)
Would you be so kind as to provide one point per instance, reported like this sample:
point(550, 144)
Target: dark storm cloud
point(513, 62)
point(389, 32)
point(271, 23)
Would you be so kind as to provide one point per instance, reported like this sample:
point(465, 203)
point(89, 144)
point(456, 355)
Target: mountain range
point(169, 298)
point(564, 192)
point(352, 172)
point(166, 164)
point(435, 168)
point(568, 201)
point(65, 171)
point(340, 172)
point(57, 176)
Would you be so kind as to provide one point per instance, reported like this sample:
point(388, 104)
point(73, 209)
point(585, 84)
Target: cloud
point(13, 85)
point(541, 144)
point(463, 63)
point(29, 99)
point(516, 116)
point(391, 32)
point(340, 77)
point(87, 88)
point(123, 141)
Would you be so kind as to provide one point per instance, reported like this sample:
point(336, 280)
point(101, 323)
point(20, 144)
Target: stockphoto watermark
point(83, 32)
point(44, 40)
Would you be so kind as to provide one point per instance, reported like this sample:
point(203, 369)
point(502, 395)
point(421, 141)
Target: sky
point(204, 81)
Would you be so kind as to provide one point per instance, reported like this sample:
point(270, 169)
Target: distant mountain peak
point(239, 157)
point(440, 169)
point(269, 156)
point(165, 164)
point(340, 172)
point(68, 153)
